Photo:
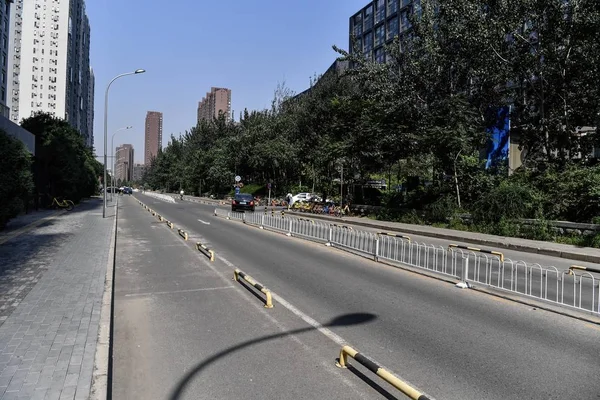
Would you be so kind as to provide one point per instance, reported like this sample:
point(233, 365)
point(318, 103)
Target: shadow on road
point(343, 320)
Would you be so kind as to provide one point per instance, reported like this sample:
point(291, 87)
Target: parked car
point(243, 201)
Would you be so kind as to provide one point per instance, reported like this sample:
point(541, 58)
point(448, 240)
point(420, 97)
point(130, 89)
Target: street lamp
point(137, 71)
point(112, 148)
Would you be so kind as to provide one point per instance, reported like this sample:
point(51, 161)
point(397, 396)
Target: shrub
point(16, 177)
point(508, 201)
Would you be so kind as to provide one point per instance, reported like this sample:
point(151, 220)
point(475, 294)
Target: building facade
point(153, 135)
point(5, 18)
point(378, 23)
point(138, 172)
point(124, 163)
point(90, 109)
point(49, 62)
point(216, 102)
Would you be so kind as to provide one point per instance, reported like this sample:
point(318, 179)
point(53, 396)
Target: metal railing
point(570, 288)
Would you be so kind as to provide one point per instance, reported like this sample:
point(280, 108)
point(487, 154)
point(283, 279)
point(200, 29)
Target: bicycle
point(66, 204)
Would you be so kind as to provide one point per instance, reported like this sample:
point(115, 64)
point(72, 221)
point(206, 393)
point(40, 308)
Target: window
point(379, 55)
point(392, 30)
point(404, 21)
point(368, 44)
point(405, 3)
point(358, 25)
point(369, 17)
point(392, 6)
point(379, 35)
point(380, 12)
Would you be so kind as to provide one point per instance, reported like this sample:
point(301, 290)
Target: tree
point(16, 177)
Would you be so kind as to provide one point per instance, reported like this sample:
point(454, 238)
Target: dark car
point(243, 201)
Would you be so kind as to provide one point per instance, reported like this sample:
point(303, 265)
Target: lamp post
point(137, 71)
point(112, 148)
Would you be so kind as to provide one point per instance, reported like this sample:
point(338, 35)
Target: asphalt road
point(583, 293)
point(454, 344)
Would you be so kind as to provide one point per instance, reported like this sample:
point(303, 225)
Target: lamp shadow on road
point(342, 320)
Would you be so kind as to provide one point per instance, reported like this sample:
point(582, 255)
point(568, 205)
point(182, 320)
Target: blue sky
point(187, 46)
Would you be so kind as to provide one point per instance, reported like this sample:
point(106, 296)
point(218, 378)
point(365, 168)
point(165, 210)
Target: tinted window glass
point(244, 196)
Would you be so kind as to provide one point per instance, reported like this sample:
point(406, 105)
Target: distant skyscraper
point(153, 136)
point(138, 172)
point(49, 62)
point(124, 163)
point(217, 101)
point(5, 15)
point(90, 109)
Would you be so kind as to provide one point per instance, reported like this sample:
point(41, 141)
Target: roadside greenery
point(421, 118)
point(16, 179)
point(62, 167)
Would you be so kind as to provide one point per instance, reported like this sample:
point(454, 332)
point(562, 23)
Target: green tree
point(16, 177)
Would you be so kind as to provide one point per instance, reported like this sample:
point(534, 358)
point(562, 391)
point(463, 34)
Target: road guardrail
point(387, 376)
point(206, 251)
point(464, 264)
point(239, 274)
point(169, 224)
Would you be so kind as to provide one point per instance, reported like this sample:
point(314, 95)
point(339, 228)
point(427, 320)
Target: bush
point(16, 178)
point(507, 202)
point(442, 209)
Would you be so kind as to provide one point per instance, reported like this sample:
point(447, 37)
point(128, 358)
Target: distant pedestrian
point(181, 194)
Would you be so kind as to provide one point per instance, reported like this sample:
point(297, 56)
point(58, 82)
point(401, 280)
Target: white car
point(304, 197)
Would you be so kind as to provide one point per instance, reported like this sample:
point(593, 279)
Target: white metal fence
point(576, 290)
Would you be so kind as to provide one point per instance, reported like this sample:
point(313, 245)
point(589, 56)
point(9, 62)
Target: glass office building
point(378, 23)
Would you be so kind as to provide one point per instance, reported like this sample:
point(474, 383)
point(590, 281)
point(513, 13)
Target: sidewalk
point(51, 287)
point(584, 254)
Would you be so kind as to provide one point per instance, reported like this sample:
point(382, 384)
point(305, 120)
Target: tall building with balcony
point(49, 62)
point(90, 109)
point(378, 23)
point(153, 136)
point(216, 102)
point(5, 18)
point(124, 163)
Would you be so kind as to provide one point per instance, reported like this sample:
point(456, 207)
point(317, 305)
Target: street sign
point(238, 178)
point(237, 190)
point(269, 185)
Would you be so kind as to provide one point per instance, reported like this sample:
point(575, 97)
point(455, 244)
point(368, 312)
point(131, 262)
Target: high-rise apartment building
point(138, 172)
point(90, 109)
point(153, 135)
point(217, 101)
point(124, 163)
point(379, 23)
point(49, 62)
point(5, 11)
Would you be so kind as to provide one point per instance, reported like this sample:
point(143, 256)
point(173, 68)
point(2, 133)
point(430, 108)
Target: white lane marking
point(179, 291)
point(311, 321)
point(204, 222)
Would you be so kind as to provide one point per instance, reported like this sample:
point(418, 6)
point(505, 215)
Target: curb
point(99, 387)
point(491, 243)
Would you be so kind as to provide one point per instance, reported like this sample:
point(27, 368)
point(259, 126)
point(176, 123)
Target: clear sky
point(187, 46)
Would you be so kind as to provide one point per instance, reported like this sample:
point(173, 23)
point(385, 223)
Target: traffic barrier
point(387, 376)
point(342, 226)
point(312, 221)
point(160, 218)
point(394, 235)
point(170, 224)
point(269, 300)
point(459, 263)
point(579, 267)
point(206, 251)
point(496, 253)
point(183, 234)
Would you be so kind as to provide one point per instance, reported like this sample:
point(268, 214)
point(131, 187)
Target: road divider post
point(183, 234)
point(387, 376)
point(206, 251)
point(170, 224)
point(237, 274)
